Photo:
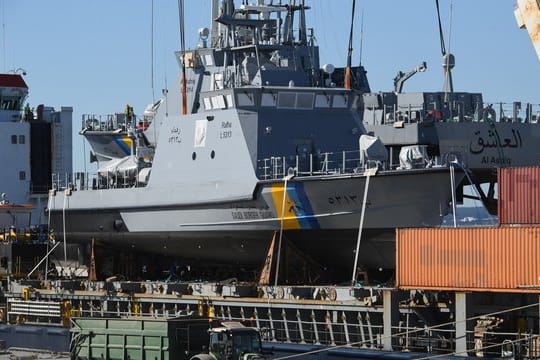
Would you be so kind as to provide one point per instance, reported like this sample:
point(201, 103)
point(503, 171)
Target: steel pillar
point(461, 324)
point(387, 320)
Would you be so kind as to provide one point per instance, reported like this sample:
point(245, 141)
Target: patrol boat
point(268, 141)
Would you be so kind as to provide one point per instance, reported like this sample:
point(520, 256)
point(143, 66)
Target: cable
point(360, 227)
point(441, 34)
point(64, 227)
point(281, 230)
point(478, 349)
point(453, 189)
point(183, 51)
point(347, 84)
point(48, 232)
point(475, 189)
point(4, 35)
point(152, 54)
point(450, 25)
point(361, 37)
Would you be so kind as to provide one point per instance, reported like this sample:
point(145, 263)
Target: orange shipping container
point(519, 195)
point(476, 259)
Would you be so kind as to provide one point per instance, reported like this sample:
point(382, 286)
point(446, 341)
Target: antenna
point(3, 35)
point(448, 58)
point(361, 37)
point(350, 50)
point(183, 51)
point(152, 53)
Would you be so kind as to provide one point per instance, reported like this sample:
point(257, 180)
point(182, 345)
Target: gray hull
point(321, 218)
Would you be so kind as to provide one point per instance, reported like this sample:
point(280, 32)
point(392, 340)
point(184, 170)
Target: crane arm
point(527, 14)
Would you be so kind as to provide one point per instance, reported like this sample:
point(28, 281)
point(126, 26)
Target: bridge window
point(22, 175)
point(304, 101)
point(245, 99)
point(208, 60)
point(13, 139)
point(322, 101)
point(340, 101)
point(10, 103)
point(207, 103)
point(291, 100)
point(218, 102)
point(268, 99)
point(286, 100)
point(229, 101)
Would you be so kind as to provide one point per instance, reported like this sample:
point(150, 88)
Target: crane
point(527, 14)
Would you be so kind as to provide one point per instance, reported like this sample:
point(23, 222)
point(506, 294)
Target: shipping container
point(519, 195)
point(475, 259)
point(138, 338)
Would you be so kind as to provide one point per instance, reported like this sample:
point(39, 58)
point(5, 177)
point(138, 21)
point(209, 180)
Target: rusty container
point(469, 259)
point(519, 195)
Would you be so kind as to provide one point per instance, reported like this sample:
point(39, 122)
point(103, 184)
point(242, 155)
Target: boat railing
point(109, 122)
point(100, 180)
point(516, 112)
point(344, 162)
point(497, 112)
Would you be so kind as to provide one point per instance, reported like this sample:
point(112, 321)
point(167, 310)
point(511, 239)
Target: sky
point(98, 55)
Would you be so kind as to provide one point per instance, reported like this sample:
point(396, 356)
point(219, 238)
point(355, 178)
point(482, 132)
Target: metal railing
point(348, 329)
point(20, 311)
point(98, 180)
point(343, 162)
point(514, 112)
point(109, 122)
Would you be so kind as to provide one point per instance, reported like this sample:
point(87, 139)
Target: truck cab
point(233, 341)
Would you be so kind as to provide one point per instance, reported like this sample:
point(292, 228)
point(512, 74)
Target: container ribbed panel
point(519, 195)
point(480, 259)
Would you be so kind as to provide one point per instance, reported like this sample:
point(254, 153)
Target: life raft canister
point(489, 114)
point(434, 115)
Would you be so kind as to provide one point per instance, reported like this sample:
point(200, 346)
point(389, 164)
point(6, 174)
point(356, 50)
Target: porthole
point(212, 154)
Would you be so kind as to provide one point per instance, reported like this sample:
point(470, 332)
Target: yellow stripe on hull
point(290, 221)
point(127, 140)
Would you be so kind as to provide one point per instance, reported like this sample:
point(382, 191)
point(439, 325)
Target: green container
point(143, 338)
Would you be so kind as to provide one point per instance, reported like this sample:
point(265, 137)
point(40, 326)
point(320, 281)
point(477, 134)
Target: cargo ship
point(36, 143)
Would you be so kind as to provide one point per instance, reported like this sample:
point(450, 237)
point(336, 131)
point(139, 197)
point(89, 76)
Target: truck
point(144, 337)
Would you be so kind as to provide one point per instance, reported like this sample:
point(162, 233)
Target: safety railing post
point(285, 325)
point(256, 316)
point(315, 329)
point(242, 314)
point(329, 327)
point(345, 328)
point(370, 331)
point(272, 329)
point(300, 328)
point(362, 334)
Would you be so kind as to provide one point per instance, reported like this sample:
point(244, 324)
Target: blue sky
point(95, 55)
